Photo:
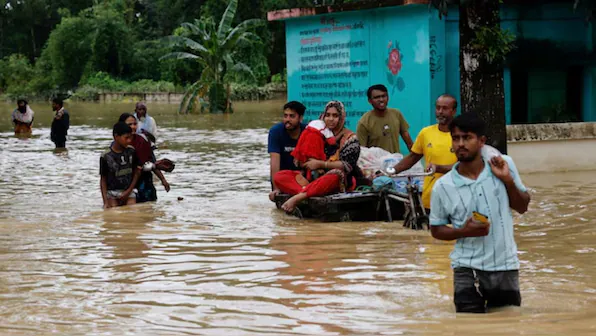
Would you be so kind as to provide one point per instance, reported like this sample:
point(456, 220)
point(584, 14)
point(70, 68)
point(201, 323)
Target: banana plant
point(213, 46)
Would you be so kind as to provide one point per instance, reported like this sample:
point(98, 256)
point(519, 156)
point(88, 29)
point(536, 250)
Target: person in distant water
point(147, 125)
point(434, 143)
point(476, 198)
point(22, 117)
point(144, 153)
point(283, 138)
point(60, 124)
point(119, 169)
point(382, 126)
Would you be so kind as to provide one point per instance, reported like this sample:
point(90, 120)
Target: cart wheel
point(422, 222)
point(408, 219)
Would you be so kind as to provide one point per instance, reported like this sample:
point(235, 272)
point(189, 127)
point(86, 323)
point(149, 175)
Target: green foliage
point(256, 61)
point(68, 42)
point(254, 92)
point(145, 64)
point(68, 50)
point(215, 47)
point(494, 43)
point(148, 86)
point(15, 70)
point(103, 82)
point(110, 42)
point(87, 93)
point(15, 74)
point(43, 83)
point(280, 78)
point(97, 39)
point(250, 92)
point(25, 25)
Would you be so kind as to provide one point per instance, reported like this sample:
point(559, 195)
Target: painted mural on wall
point(340, 55)
point(394, 64)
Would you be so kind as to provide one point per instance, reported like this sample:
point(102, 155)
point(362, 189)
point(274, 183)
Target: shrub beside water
point(253, 92)
point(92, 86)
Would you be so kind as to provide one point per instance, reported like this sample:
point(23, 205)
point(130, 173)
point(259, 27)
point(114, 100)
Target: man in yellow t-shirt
point(434, 143)
point(382, 126)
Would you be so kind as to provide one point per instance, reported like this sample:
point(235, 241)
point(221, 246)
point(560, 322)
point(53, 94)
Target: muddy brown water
point(223, 261)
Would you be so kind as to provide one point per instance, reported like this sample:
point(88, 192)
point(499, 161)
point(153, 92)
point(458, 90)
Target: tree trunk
point(1, 34)
point(33, 42)
point(481, 83)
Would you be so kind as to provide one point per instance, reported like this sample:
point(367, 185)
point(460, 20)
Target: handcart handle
point(388, 173)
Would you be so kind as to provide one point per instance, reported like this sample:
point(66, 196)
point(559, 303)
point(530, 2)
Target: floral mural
point(394, 65)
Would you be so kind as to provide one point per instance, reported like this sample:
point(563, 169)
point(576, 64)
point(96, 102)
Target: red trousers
point(285, 181)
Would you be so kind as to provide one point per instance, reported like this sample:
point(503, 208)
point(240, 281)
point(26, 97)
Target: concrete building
point(337, 52)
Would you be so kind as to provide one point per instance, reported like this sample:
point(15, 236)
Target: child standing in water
point(119, 169)
point(144, 154)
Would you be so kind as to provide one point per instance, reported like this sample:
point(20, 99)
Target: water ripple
point(223, 261)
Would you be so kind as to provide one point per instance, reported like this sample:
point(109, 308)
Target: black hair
point(447, 95)
point(58, 101)
point(469, 122)
point(22, 101)
point(125, 116)
point(379, 87)
point(295, 106)
point(121, 128)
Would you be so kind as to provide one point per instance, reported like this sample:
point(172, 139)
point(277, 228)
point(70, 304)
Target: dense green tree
point(69, 50)
point(25, 25)
point(15, 74)
point(214, 47)
point(95, 40)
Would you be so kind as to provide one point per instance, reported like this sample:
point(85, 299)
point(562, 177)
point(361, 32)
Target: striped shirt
point(455, 197)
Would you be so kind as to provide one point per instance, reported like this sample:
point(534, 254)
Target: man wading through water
point(60, 124)
point(434, 144)
point(475, 197)
point(22, 117)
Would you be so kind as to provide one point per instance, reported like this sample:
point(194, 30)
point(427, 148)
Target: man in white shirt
point(147, 125)
point(22, 117)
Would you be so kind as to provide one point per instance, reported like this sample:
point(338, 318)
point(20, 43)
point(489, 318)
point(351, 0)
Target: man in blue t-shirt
point(283, 138)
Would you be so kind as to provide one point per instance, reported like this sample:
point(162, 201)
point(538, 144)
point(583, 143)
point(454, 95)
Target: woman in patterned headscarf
point(341, 164)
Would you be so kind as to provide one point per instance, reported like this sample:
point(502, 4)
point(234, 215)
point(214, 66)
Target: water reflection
point(122, 231)
point(222, 261)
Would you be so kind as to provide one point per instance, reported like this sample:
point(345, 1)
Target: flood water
point(223, 261)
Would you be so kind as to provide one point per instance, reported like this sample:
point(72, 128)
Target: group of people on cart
point(321, 158)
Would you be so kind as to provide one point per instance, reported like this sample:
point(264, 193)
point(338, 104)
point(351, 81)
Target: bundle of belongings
point(373, 161)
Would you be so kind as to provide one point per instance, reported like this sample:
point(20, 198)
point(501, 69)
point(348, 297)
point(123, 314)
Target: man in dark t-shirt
point(60, 124)
point(119, 169)
point(283, 138)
